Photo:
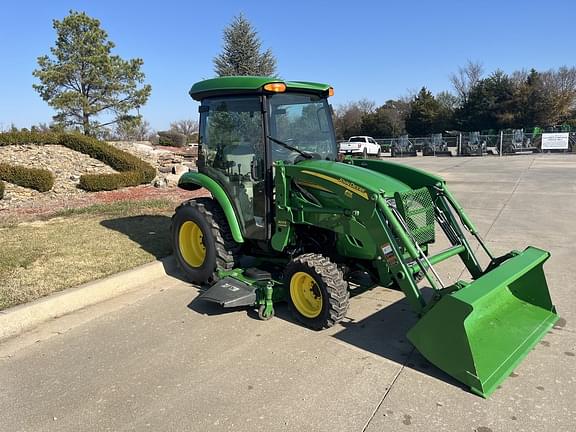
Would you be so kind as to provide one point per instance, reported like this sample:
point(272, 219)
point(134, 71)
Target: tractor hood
point(366, 177)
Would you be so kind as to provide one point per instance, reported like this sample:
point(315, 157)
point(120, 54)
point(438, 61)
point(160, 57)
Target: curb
point(19, 319)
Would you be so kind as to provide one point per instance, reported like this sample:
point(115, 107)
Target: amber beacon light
point(275, 87)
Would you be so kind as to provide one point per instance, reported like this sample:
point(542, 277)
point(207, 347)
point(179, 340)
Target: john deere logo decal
point(340, 182)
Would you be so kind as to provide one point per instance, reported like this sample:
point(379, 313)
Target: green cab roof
point(250, 84)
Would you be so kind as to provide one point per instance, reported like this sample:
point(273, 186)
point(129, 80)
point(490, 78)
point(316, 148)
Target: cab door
point(232, 153)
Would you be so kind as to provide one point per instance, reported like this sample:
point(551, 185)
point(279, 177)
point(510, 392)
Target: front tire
point(202, 241)
point(318, 294)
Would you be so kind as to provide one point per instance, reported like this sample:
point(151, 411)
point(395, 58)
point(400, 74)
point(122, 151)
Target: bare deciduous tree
point(466, 79)
point(447, 100)
point(133, 129)
point(519, 76)
point(366, 106)
point(188, 127)
point(41, 127)
point(560, 85)
point(348, 117)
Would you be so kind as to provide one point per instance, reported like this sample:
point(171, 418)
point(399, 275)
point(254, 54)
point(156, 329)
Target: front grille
point(417, 209)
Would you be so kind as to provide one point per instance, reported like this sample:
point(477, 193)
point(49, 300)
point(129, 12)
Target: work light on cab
point(275, 87)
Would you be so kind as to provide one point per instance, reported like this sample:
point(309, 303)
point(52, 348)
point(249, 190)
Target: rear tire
point(202, 241)
point(365, 153)
point(317, 292)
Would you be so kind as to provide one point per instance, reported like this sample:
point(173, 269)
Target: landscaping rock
point(65, 164)
point(172, 179)
point(160, 183)
point(68, 165)
point(179, 169)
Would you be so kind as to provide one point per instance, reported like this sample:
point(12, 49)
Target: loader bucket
point(481, 332)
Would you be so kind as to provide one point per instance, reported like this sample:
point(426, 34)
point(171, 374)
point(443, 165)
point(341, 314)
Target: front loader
point(287, 221)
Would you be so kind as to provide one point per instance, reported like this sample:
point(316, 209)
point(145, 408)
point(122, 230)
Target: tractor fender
point(195, 181)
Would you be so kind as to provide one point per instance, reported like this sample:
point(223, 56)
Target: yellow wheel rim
point(191, 244)
point(305, 295)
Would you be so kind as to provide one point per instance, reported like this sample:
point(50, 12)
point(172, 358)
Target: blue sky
point(373, 49)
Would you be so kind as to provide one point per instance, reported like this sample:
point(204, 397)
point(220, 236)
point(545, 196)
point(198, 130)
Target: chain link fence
point(514, 141)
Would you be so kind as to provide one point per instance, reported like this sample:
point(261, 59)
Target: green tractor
point(287, 221)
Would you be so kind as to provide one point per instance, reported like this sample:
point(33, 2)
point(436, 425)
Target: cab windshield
point(304, 122)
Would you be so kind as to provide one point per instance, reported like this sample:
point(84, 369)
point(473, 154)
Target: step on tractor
point(288, 221)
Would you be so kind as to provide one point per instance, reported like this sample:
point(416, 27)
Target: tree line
point(136, 129)
point(477, 102)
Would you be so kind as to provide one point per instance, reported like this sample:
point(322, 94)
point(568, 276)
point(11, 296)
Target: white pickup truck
point(363, 145)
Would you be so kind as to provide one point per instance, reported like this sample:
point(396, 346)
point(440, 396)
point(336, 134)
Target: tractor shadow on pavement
point(383, 333)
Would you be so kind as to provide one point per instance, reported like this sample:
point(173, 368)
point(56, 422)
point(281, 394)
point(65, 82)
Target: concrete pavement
point(161, 361)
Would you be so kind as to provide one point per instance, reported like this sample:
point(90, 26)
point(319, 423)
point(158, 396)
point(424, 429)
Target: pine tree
point(424, 114)
point(241, 53)
point(82, 79)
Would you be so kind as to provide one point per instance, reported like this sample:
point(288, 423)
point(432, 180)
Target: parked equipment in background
point(402, 147)
point(360, 146)
point(517, 142)
point(436, 146)
point(307, 222)
point(473, 145)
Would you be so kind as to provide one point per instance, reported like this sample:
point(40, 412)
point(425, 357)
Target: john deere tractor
point(287, 221)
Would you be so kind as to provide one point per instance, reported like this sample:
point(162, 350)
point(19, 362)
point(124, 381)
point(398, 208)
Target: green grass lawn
point(80, 245)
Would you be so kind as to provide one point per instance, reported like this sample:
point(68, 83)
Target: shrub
point(12, 138)
point(99, 182)
point(33, 178)
point(1, 189)
point(171, 138)
point(117, 159)
point(132, 170)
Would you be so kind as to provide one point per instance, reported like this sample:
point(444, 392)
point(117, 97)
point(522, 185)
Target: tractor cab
point(247, 124)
